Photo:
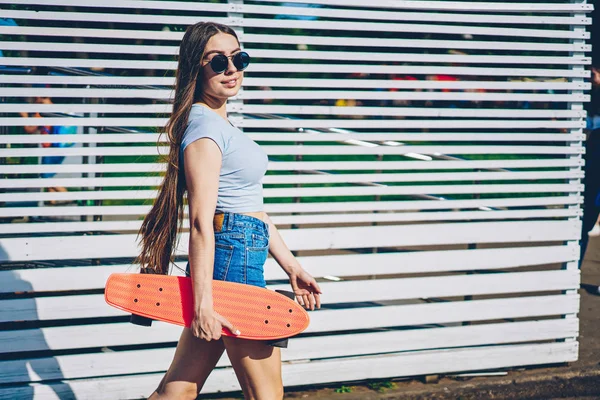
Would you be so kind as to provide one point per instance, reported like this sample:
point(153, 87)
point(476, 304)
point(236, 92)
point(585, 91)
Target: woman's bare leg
point(193, 361)
point(257, 367)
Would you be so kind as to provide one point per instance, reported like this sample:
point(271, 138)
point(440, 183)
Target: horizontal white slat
point(92, 80)
point(295, 67)
point(293, 110)
point(85, 278)
point(277, 150)
point(309, 137)
point(453, 5)
point(300, 54)
point(320, 123)
point(86, 306)
point(106, 335)
point(163, 94)
point(302, 179)
point(317, 12)
point(407, 364)
point(406, 111)
point(131, 18)
point(299, 24)
point(112, 138)
point(433, 216)
point(550, 84)
point(78, 247)
point(376, 190)
point(121, 226)
point(401, 43)
point(388, 4)
point(366, 206)
point(576, 46)
point(144, 361)
point(309, 166)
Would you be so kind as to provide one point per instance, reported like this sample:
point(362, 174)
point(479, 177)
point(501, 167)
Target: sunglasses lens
point(219, 63)
point(241, 60)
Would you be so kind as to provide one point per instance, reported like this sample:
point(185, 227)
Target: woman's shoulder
point(200, 118)
point(201, 125)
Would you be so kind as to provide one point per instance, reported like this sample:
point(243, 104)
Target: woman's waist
point(226, 220)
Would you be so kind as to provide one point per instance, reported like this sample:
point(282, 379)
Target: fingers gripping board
point(259, 313)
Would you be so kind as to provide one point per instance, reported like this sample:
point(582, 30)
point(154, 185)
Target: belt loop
point(229, 217)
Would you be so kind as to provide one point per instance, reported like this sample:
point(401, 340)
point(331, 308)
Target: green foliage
point(382, 386)
point(344, 389)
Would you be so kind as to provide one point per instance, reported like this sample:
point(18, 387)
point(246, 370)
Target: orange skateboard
point(258, 313)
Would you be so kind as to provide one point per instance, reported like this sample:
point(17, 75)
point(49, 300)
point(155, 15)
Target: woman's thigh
point(193, 361)
point(257, 367)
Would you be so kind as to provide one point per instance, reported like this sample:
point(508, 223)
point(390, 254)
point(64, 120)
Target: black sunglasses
point(219, 63)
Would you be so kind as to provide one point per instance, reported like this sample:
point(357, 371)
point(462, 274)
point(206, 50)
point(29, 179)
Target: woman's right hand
point(207, 325)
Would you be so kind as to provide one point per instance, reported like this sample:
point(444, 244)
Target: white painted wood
point(85, 278)
point(106, 335)
point(311, 137)
point(420, 5)
point(556, 84)
point(382, 124)
point(159, 94)
point(319, 12)
point(310, 166)
point(306, 348)
point(306, 24)
point(275, 150)
point(280, 67)
point(87, 306)
point(303, 179)
point(77, 247)
point(410, 363)
point(454, 5)
point(310, 207)
point(298, 54)
point(120, 226)
point(305, 191)
point(296, 39)
point(531, 216)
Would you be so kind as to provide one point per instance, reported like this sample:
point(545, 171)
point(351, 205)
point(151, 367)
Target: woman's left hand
point(305, 288)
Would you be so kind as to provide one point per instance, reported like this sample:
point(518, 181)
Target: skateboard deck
point(258, 313)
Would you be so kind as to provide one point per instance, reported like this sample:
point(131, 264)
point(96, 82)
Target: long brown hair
point(162, 224)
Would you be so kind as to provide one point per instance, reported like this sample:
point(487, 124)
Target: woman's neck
point(220, 109)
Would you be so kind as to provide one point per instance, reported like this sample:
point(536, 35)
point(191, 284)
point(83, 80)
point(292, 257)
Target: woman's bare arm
point(305, 287)
point(202, 166)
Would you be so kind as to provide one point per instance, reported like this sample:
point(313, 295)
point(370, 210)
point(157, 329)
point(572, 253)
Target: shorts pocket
point(260, 241)
point(223, 255)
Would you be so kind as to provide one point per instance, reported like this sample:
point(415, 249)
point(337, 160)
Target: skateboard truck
point(139, 320)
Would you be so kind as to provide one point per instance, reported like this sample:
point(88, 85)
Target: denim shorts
point(241, 249)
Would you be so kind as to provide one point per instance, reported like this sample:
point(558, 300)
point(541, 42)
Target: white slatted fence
point(426, 169)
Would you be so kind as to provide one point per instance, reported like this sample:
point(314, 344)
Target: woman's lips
point(230, 83)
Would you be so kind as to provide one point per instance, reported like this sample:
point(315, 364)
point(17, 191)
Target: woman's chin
point(230, 92)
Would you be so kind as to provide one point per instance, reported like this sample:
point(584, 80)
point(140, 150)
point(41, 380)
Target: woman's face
point(227, 83)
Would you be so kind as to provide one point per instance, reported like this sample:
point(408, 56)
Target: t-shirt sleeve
point(197, 131)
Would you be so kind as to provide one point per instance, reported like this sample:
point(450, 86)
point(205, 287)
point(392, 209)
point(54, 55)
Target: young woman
point(230, 235)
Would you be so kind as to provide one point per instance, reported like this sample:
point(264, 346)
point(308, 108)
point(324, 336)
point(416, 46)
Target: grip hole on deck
point(139, 286)
point(157, 304)
point(266, 321)
point(135, 300)
point(268, 307)
point(160, 289)
point(288, 325)
point(290, 310)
